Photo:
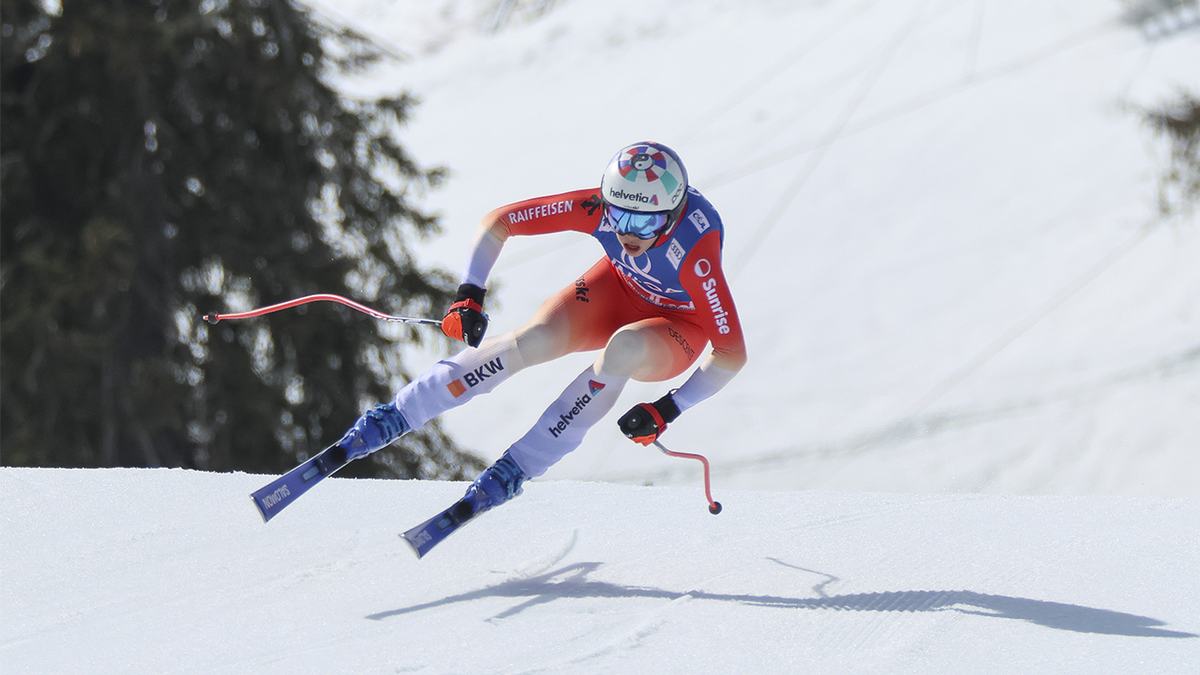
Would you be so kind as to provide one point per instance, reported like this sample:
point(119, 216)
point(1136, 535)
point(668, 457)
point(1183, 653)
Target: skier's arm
point(704, 281)
point(576, 210)
point(554, 213)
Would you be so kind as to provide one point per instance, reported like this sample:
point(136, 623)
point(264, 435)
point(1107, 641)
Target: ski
point(279, 493)
point(430, 533)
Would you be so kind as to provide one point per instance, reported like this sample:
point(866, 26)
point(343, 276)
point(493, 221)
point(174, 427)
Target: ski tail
point(281, 492)
point(430, 533)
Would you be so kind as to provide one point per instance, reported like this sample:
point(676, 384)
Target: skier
point(651, 304)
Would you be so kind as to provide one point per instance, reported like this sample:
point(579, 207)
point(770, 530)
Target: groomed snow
point(163, 572)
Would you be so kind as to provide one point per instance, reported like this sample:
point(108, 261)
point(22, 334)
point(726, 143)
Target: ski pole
point(214, 317)
point(713, 507)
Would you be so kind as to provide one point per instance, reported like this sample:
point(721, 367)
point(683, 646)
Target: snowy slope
point(942, 241)
point(162, 572)
point(941, 228)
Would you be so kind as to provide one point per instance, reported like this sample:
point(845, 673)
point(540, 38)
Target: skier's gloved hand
point(645, 422)
point(465, 319)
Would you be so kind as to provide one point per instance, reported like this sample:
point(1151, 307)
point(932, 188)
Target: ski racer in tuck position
point(650, 304)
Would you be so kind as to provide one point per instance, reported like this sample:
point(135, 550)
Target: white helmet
point(646, 177)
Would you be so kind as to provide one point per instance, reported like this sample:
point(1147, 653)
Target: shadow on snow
point(571, 582)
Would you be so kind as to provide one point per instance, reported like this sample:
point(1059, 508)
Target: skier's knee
point(624, 354)
point(537, 343)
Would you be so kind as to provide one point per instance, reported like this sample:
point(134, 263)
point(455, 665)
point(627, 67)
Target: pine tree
point(166, 158)
point(1178, 123)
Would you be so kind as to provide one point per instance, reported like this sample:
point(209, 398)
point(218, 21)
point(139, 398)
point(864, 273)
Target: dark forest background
point(162, 159)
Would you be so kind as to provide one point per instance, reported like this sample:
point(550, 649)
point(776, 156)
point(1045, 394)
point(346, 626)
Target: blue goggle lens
point(640, 225)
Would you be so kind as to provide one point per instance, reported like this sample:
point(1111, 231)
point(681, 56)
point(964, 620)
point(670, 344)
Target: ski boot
point(497, 484)
point(374, 430)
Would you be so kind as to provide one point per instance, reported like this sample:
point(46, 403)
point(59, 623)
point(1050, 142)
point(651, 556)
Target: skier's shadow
point(571, 582)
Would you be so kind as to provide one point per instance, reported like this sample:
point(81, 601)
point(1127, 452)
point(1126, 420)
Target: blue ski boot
point(374, 430)
point(497, 484)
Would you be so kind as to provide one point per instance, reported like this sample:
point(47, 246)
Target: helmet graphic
point(645, 177)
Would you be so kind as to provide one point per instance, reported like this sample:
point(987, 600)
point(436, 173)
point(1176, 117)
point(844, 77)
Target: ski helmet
point(647, 177)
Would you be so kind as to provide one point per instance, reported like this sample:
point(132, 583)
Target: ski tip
point(258, 507)
point(416, 551)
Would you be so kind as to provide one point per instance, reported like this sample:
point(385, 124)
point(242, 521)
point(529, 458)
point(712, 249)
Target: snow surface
point(159, 571)
point(966, 441)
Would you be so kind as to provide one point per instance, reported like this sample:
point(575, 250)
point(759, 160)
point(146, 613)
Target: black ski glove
point(465, 319)
point(645, 422)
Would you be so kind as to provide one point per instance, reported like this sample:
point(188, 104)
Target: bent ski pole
point(713, 507)
point(214, 317)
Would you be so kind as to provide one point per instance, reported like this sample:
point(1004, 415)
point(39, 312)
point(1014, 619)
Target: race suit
point(653, 315)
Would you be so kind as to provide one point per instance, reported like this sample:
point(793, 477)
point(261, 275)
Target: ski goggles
point(640, 225)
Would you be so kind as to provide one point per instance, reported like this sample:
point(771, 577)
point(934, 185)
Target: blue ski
point(276, 495)
point(430, 533)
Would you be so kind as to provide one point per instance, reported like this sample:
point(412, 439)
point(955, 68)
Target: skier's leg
point(559, 431)
point(446, 384)
point(650, 350)
point(564, 324)
point(454, 381)
point(561, 326)
point(647, 348)
point(562, 426)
